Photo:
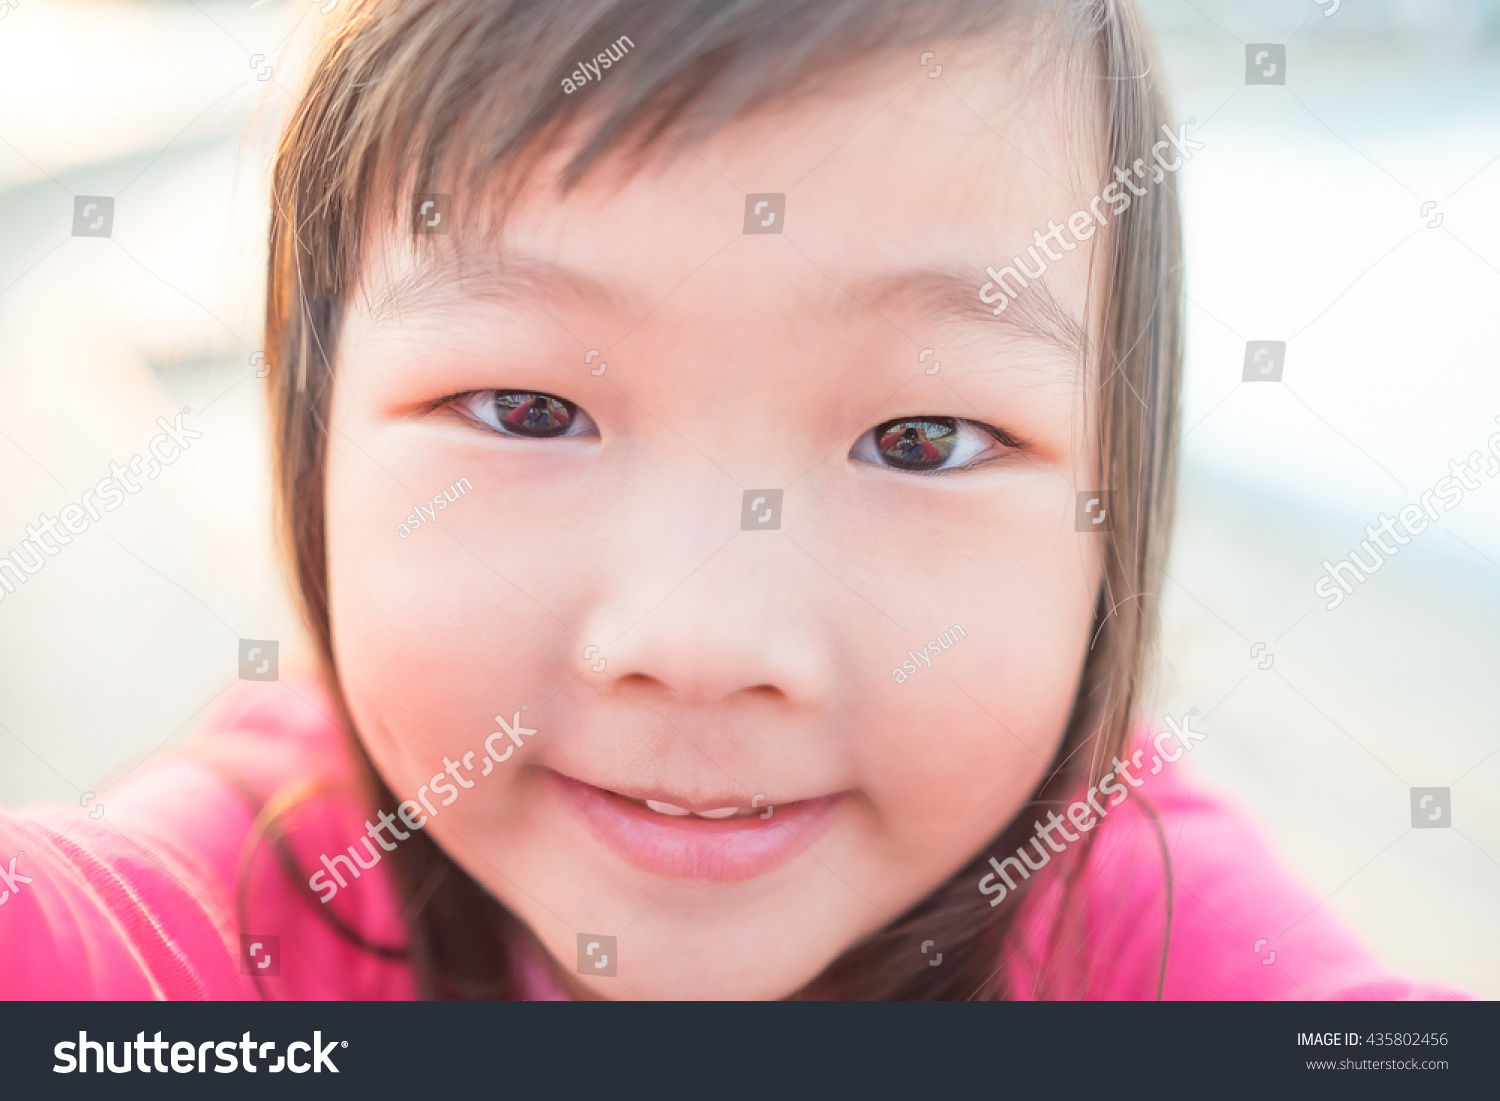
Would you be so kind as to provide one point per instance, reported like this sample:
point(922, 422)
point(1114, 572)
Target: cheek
point(954, 750)
point(436, 633)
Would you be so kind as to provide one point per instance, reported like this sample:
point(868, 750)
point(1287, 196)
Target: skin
point(737, 662)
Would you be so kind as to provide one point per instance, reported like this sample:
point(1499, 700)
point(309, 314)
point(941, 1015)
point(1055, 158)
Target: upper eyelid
point(995, 431)
point(498, 390)
point(495, 392)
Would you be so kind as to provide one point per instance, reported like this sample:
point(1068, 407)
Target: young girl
point(623, 721)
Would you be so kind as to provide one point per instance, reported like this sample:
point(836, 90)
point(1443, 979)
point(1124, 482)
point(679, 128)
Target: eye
point(931, 445)
point(527, 413)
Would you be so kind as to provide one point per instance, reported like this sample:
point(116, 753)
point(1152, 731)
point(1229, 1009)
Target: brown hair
point(409, 93)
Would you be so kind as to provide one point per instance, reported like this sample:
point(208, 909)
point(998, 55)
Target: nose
point(713, 613)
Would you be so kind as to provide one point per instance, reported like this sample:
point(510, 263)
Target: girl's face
point(714, 591)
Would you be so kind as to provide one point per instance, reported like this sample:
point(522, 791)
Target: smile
point(707, 840)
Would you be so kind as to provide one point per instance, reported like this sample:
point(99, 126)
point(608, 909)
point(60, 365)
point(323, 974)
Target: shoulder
point(1180, 872)
point(147, 899)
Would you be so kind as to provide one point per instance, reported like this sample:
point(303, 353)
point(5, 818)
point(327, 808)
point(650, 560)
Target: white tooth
point(721, 812)
point(666, 808)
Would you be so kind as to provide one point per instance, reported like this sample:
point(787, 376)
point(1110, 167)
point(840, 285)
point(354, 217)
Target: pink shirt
point(140, 902)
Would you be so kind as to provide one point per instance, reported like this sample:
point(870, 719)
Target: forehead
point(893, 191)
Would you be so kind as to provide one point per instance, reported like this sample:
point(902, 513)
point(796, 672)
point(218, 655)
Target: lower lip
point(724, 850)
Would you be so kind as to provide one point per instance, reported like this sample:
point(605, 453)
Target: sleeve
point(108, 908)
point(143, 902)
point(1242, 927)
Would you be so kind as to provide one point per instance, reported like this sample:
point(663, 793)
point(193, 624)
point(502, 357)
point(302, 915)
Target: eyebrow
point(952, 294)
point(452, 276)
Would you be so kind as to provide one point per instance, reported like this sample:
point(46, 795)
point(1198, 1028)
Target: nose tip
point(702, 618)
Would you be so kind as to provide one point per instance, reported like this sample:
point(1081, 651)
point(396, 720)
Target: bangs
point(455, 99)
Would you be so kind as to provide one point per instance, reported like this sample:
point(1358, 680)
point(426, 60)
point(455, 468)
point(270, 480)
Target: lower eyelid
point(972, 464)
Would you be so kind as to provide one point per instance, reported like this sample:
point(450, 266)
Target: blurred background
point(1307, 221)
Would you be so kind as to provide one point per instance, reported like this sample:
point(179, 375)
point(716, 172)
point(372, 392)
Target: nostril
point(641, 684)
point(689, 690)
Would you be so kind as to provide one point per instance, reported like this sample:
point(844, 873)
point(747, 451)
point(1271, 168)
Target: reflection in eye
point(931, 445)
point(533, 414)
point(918, 444)
point(527, 413)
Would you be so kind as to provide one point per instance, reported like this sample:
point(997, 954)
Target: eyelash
point(474, 403)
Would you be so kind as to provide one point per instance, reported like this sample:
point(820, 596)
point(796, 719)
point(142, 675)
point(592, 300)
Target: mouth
point(724, 839)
